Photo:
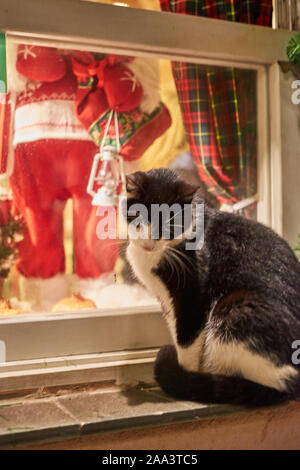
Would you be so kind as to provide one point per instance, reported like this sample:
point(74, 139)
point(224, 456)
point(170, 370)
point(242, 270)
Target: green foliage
point(10, 235)
point(293, 49)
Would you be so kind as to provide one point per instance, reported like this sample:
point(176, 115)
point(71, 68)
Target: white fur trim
point(90, 287)
point(11, 157)
point(52, 119)
point(43, 294)
point(19, 304)
point(15, 82)
point(147, 73)
point(106, 293)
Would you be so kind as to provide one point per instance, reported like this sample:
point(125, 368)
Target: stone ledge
point(69, 414)
point(273, 428)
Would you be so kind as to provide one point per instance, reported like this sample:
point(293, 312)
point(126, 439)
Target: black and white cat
point(232, 306)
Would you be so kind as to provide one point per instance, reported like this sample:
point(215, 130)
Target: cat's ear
point(134, 184)
point(188, 192)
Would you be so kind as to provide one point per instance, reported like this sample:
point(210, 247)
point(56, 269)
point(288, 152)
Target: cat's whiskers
point(184, 257)
point(116, 245)
point(170, 259)
point(179, 258)
point(185, 263)
point(170, 263)
point(171, 218)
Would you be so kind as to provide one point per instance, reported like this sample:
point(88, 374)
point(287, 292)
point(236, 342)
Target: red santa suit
point(53, 155)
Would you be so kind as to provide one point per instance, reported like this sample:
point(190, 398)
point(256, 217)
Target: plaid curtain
point(219, 104)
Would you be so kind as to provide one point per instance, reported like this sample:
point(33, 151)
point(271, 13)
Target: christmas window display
point(63, 108)
point(53, 120)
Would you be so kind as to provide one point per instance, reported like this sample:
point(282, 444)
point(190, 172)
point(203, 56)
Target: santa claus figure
point(49, 141)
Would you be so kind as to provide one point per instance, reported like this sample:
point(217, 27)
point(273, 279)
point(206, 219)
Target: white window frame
point(134, 334)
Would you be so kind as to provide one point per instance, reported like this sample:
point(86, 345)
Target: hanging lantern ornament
point(107, 171)
point(124, 89)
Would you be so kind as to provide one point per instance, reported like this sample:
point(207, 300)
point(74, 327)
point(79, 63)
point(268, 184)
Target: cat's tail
point(211, 388)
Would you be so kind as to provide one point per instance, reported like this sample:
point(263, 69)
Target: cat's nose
point(148, 245)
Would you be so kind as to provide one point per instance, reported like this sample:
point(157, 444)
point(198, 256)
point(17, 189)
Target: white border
point(107, 28)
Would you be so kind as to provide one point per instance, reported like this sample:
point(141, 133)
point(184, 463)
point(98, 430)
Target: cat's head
point(158, 209)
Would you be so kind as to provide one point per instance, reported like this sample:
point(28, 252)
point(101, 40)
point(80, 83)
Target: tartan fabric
point(219, 105)
point(257, 12)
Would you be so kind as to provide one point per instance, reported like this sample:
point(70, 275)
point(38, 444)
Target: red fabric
point(117, 82)
point(43, 64)
point(122, 93)
point(107, 85)
point(46, 174)
point(257, 12)
point(146, 134)
point(5, 210)
point(219, 104)
point(62, 89)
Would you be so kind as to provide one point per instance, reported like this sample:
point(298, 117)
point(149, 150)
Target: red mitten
point(123, 91)
point(43, 64)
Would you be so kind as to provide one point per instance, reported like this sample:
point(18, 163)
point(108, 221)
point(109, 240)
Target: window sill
point(38, 337)
point(61, 415)
point(105, 417)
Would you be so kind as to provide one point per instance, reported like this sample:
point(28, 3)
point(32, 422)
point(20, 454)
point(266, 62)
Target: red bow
point(122, 90)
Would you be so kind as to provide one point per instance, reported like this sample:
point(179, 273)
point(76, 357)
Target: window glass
point(62, 109)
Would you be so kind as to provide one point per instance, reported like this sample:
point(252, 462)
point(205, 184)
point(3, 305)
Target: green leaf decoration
point(10, 233)
point(293, 49)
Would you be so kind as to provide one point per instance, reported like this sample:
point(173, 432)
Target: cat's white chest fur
point(143, 262)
